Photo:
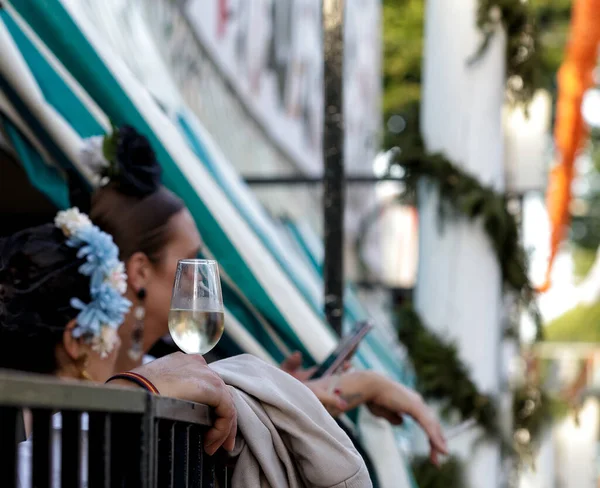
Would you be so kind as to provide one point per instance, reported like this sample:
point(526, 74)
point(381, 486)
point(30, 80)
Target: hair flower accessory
point(98, 320)
point(71, 221)
point(125, 158)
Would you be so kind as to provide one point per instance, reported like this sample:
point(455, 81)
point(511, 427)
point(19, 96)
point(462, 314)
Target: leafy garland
point(441, 375)
point(449, 475)
point(533, 411)
point(444, 378)
point(462, 195)
point(523, 56)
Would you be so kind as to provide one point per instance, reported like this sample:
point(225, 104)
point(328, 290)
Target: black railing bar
point(148, 434)
point(314, 180)
point(182, 411)
point(354, 179)
point(37, 391)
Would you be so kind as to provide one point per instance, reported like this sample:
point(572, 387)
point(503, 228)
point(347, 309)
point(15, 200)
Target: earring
point(82, 364)
point(139, 312)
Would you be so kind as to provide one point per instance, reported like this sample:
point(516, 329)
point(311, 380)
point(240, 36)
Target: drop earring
point(137, 343)
point(82, 365)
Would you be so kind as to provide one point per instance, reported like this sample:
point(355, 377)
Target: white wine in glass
point(197, 318)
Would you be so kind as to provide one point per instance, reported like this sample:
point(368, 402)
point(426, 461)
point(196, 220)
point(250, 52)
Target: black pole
point(333, 160)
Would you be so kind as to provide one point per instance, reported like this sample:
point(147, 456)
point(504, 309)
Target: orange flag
point(574, 78)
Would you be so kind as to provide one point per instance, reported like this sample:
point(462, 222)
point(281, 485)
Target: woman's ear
point(138, 269)
point(73, 346)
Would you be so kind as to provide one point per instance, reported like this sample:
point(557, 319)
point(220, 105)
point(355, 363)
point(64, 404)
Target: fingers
point(303, 374)
point(213, 392)
point(434, 458)
point(439, 441)
point(217, 435)
point(224, 429)
point(226, 410)
point(292, 362)
point(436, 438)
point(332, 402)
point(229, 444)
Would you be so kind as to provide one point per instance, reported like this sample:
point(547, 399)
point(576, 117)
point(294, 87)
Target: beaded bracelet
point(136, 378)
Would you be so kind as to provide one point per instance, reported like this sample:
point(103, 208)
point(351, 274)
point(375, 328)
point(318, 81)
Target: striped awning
point(59, 83)
point(245, 261)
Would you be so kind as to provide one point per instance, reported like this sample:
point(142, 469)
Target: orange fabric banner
point(574, 78)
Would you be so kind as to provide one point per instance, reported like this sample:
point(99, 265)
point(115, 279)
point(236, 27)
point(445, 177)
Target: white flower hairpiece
point(92, 154)
point(98, 320)
point(71, 221)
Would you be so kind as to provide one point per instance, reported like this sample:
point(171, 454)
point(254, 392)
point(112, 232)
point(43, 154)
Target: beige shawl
point(286, 439)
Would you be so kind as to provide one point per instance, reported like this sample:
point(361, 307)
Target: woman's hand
point(293, 366)
point(387, 399)
point(330, 399)
point(188, 377)
point(391, 400)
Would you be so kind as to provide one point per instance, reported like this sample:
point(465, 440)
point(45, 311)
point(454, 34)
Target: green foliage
point(444, 378)
point(529, 25)
point(448, 475)
point(523, 48)
point(580, 324)
point(552, 17)
point(441, 374)
point(462, 195)
point(533, 412)
point(583, 260)
point(403, 49)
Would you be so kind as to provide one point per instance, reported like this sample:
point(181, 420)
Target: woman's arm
point(385, 398)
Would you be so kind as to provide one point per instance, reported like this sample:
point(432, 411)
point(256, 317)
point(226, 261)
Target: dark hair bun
point(138, 172)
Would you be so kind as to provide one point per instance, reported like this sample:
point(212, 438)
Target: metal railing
point(133, 439)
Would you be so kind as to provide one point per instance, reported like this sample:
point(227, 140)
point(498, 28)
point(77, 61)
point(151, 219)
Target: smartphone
point(344, 351)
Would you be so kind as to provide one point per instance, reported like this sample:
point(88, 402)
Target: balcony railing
point(133, 439)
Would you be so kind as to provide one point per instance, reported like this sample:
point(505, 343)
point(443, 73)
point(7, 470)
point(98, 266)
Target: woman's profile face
point(184, 243)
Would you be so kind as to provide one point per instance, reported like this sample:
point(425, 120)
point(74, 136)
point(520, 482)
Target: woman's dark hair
point(134, 207)
point(38, 278)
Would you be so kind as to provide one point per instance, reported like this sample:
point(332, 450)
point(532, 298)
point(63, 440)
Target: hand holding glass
point(197, 319)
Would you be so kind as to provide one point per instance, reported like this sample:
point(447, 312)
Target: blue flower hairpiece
point(98, 320)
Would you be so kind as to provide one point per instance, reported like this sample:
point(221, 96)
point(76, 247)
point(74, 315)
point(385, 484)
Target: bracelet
point(136, 378)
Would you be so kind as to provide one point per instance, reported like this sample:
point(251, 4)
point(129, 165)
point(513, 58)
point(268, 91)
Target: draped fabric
point(574, 78)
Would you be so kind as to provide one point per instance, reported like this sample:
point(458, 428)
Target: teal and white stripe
point(250, 265)
point(33, 63)
point(63, 104)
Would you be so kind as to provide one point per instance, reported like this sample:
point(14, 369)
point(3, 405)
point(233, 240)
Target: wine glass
point(197, 318)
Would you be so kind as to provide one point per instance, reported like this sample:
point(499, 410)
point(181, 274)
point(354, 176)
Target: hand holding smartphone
point(344, 352)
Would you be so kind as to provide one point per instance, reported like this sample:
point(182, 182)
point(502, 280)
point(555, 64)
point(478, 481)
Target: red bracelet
point(138, 379)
